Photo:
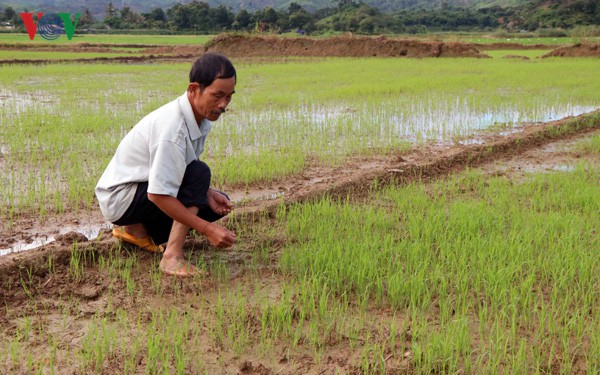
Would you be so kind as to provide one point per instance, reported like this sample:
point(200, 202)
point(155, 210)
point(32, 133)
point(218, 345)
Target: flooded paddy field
point(393, 216)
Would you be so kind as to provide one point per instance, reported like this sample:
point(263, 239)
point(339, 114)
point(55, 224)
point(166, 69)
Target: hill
point(98, 7)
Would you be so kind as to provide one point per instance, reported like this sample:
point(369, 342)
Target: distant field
point(45, 55)
point(113, 39)
point(529, 41)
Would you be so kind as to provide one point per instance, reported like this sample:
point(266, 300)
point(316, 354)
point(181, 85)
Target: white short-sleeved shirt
point(158, 150)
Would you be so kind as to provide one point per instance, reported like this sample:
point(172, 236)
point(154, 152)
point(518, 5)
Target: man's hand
point(219, 236)
point(219, 202)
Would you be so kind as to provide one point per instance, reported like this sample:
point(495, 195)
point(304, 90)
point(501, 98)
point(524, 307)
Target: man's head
point(212, 83)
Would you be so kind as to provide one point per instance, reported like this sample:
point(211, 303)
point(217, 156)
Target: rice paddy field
point(393, 216)
point(17, 38)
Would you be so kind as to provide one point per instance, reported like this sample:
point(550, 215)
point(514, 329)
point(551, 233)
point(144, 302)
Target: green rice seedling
point(125, 274)
point(491, 258)
point(98, 346)
point(156, 279)
point(591, 146)
point(289, 115)
point(51, 264)
point(77, 263)
point(27, 284)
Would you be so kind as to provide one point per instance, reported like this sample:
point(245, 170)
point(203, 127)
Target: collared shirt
point(158, 150)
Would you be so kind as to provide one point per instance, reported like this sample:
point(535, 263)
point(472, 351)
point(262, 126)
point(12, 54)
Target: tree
point(294, 8)
point(155, 15)
point(110, 10)
point(269, 16)
point(243, 20)
point(87, 19)
point(9, 14)
point(300, 20)
point(180, 17)
point(130, 19)
point(222, 17)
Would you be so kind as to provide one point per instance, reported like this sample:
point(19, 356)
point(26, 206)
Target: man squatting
point(155, 188)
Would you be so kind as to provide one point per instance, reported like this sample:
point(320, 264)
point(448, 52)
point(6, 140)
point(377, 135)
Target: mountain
point(98, 7)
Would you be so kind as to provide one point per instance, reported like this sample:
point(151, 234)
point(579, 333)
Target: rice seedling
point(489, 259)
point(111, 39)
point(284, 116)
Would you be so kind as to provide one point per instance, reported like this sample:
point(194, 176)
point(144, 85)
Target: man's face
point(210, 102)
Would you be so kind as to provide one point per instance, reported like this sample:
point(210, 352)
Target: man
point(155, 188)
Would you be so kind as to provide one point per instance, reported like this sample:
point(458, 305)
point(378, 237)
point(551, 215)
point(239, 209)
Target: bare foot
point(178, 267)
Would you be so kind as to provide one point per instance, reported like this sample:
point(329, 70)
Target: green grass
point(108, 38)
point(62, 123)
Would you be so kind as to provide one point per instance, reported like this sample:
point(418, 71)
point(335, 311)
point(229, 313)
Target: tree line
point(347, 16)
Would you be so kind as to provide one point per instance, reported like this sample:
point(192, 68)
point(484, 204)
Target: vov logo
point(50, 26)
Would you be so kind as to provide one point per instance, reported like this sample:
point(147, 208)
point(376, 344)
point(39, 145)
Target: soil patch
point(561, 155)
point(179, 50)
point(348, 46)
point(516, 57)
point(577, 50)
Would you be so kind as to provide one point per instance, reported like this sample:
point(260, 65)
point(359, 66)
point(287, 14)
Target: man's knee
point(197, 170)
point(195, 184)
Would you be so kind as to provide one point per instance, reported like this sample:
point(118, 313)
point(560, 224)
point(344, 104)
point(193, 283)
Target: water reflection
point(91, 232)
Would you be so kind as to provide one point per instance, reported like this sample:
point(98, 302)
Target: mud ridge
point(576, 50)
point(237, 45)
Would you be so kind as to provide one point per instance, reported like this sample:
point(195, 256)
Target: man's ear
point(193, 86)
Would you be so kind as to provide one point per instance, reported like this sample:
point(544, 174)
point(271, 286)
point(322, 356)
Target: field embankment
point(240, 46)
point(577, 50)
point(350, 46)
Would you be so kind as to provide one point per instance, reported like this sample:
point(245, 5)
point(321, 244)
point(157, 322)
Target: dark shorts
point(192, 192)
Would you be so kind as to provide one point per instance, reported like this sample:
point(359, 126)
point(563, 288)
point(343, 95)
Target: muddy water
point(91, 232)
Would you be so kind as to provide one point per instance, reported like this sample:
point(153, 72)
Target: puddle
point(511, 131)
point(30, 246)
point(473, 141)
point(20, 102)
point(541, 168)
point(547, 168)
point(241, 197)
point(433, 120)
point(91, 232)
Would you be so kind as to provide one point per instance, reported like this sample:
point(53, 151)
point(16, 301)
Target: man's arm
point(217, 235)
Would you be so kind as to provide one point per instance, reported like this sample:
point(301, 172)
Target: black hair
point(211, 66)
